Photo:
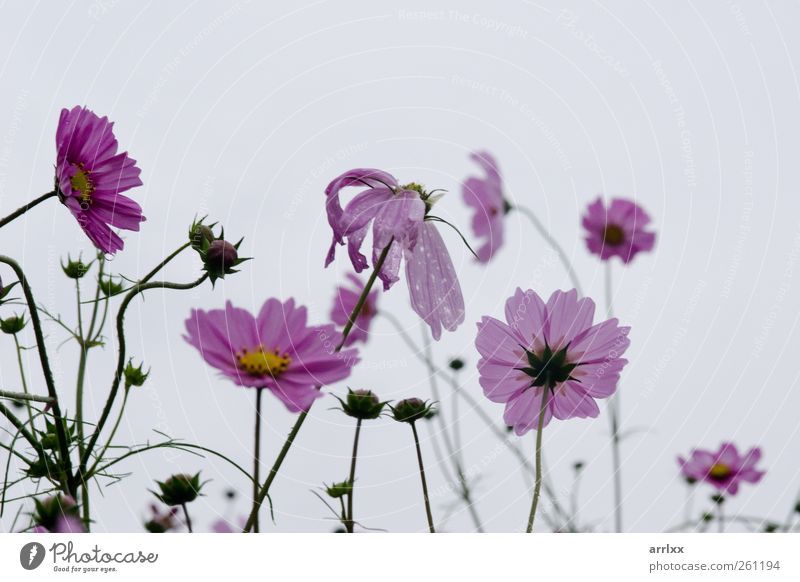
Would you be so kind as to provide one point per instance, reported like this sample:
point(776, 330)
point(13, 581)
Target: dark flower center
point(548, 368)
point(719, 472)
point(613, 235)
point(260, 362)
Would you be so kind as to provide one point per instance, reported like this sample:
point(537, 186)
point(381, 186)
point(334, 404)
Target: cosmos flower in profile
point(91, 176)
point(345, 302)
point(618, 230)
point(725, 469)
point(275, 349)
point(484, 195)
point(549, 346)
point(403, 228)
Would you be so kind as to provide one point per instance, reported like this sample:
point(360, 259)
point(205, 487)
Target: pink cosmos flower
point(618, 230)
point(724, 469)
point(276, 349)
point(400, 221)
point(91, 175)
point(343, 305)
point(549, 346)
point(485, 197)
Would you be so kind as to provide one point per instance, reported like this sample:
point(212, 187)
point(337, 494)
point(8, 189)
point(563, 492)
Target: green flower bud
point(362, 404)
point(411, 410)
point(4, 291)
point(718, 499)
point(40, 468)
point(578, 466)
point(108, 287)
point(707, 517)
point(75, 269)
point(49, 511)
point(135, 376)
point(770, 527)
point(337, 490)
point(12, 325)
point(456, 364)
point(201, 235)
point(179, 489)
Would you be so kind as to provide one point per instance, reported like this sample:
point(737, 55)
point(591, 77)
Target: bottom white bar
point(401, 556)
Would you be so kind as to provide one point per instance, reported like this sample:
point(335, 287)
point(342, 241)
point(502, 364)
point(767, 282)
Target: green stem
point(538, 483)
point(349, 522)
point(302, 416)
point(614, 418)
point(65, 466)
point(545, 234)
point(23, 209)
point(119, 372)
point(113, 432)
point(25, 396)
point(452, 452)
point(257, 459)
point(425, 496)
point(20, 426)
point(188, 519)
point(24, 381)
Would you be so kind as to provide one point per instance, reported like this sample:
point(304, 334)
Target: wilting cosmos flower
point(485, 196)
point(275, 349)
point(400, 222)
point(549, 346)
point(618, 230)
point(91, 176)
point(724, 469)
point(343, 305)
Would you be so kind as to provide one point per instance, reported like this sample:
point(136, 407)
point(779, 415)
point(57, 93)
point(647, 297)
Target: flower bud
point(690, 480)
point(220, 258)
point(362, 404)
point(108, 287)
point(5, 290)
point(578, 466)
point(12, 325)
point(179, 489)
point(411, 410)
point(337, 490)
point(200, 235)
point(75, 269)
point(50, 511)
point(40, 468)
point(770, 527)
point(707, 516)
point(718, 499)
point(135, 376)
point(456, 364)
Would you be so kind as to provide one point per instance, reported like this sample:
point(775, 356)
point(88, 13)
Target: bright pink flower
point(399, 216)
point(485, 197)
point(91, 175)
point(724, 469)
point(343, 305)
point(275, 349)
point(551, 346)
point(618, 230)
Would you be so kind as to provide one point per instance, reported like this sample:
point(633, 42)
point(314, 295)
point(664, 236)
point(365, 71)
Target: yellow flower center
point(261, 362)
point(719, 471)
point(613, 235)
point(81, 182)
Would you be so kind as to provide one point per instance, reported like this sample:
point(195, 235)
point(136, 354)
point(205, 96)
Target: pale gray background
point(246, 110)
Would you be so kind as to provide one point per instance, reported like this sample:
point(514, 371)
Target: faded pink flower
point(276, 349)
point(549, 346)
point(723, 469)
point(399, 215)
point(485, 197)
point(91, 176)
point(618, 230)
point(345, 302)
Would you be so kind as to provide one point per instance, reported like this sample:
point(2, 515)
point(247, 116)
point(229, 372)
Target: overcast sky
point(244, 111)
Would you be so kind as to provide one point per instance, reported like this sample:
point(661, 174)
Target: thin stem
point(113, 432)
point(614, 418)
point(24, 381)
point(452, 452)
point(23, 209)
point(188, 519)
point(720, 517)
point(425, 496)
point(65, 466)
point(20, 426)
point(349, 522)
point(119, 372)
point(538, 483)
point(545, 234)
point(24, 396)
point(302, 416)
point(82, 358)
point(257, 458)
